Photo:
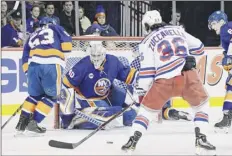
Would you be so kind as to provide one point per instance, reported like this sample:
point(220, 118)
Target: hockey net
point(125, 48)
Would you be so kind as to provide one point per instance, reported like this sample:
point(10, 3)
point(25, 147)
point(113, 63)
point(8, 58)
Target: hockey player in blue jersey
point(92, 79)
point(218, 22)
point(43, 60)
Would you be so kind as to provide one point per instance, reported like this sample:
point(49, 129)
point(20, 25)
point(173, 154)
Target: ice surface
point(168, 138)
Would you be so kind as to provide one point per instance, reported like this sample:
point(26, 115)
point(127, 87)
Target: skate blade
point(202, 151)
point(221, 130)
point(28, 133)
point(19, 134)
point(185, 116)
point(128, 151)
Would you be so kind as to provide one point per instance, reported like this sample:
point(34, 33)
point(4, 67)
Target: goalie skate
point(203, 147)
point(224, 124)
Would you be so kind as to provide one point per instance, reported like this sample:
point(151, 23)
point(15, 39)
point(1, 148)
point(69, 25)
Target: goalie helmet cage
point(125, 48)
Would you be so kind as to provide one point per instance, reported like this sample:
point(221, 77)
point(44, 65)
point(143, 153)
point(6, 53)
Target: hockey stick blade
point(60, 144)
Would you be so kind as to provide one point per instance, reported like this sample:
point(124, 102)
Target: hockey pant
point(44, 84)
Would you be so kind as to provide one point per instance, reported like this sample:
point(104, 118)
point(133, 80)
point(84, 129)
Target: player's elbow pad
point(66, 46)
point(198, 50)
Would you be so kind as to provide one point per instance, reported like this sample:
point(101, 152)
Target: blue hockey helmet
point(217, 16)
point(46, 20)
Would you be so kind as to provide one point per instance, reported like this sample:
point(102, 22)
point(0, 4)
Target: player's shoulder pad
point(85, 61)
point(230, 24)
point(83, 64)
point(111, 58)
point(56, 27)
point(226, 29)
point(53, 26)
point(230, 28)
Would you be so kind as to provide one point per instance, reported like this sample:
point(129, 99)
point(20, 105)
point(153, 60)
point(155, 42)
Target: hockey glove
point(190, 63)
point(227, 63)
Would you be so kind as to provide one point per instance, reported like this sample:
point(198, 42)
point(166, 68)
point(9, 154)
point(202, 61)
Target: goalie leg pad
point(66, 120)
point(101, 114)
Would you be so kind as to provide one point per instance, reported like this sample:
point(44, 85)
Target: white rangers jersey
point(163, 54)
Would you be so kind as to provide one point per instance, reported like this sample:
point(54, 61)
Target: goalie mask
point(97, 53)
point(149, 19)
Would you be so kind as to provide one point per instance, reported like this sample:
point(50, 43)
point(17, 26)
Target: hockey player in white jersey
point(166, 53)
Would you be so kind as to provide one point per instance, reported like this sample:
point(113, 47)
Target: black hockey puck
point(109, 142)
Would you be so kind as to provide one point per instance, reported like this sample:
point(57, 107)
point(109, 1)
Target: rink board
point(14, 85)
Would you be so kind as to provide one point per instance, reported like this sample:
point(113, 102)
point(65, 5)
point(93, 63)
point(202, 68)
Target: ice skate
point(177, 115)
point(21, 125)
point(225, 123)
point(203, 147)
point(33, 129)
point(131, 144)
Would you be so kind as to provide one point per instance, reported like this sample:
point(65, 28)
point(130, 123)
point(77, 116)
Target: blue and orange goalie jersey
point(47, 45)
point(95, 84)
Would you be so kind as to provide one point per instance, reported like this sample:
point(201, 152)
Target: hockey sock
point(166, 113)
point(201, 117)
point(227, 102)
point(29, 106)
point(43, 108)
point(144, 117)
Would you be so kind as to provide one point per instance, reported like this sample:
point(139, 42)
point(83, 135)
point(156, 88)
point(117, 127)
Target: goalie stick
point(65, 145)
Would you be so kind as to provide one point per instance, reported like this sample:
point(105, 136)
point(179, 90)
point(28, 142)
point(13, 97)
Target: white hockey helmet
point(97, 53)
point(150, 18)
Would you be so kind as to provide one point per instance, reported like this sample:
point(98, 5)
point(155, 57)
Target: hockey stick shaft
point(20, 107)
point(59, 144)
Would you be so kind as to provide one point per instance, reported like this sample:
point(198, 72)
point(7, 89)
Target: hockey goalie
point(89, 96)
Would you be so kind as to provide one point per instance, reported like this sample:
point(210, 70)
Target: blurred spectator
point(35, 12)
point(67, 18)
point(49, 12)
point(84, 21)
point(178, 17)
point(12, 33)
point(4, 17)
point(99, 26)
point(30, 4)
